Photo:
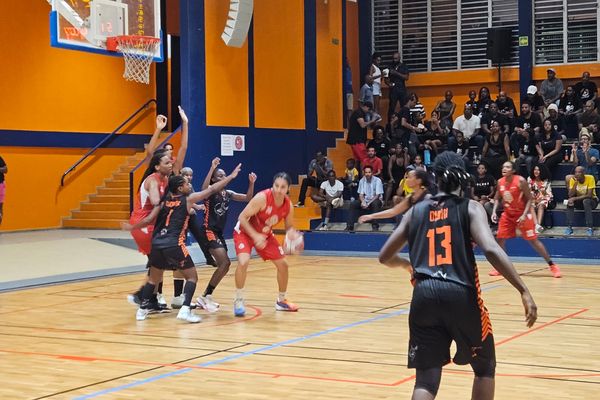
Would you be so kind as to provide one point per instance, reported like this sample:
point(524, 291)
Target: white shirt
point(467, 126)
point(370, 190)
point(332, 190)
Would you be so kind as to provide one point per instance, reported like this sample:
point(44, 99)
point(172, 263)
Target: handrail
point(132, 172)
point(114, 132)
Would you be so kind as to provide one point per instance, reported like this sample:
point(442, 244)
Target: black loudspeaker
point(498, 44)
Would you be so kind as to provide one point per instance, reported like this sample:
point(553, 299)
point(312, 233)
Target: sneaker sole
point(279, 308)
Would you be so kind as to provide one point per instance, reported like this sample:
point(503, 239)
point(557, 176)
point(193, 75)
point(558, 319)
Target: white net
point(138, 52)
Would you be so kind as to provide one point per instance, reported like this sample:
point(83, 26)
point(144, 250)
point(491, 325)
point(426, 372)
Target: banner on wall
point(231, 143)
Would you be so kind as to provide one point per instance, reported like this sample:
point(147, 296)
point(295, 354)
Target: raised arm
point(178, 164)
point(249, 193)
point(161, 122)
point(213, 165)
point(218, 186)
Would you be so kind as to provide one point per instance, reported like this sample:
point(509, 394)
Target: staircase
point(109, 206)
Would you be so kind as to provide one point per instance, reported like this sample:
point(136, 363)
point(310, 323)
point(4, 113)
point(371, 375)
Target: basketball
point(293, 243)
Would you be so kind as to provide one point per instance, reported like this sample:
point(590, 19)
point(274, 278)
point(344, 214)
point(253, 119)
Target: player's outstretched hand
point(252, 177)
point(236, 171)
point(126, 226)
point(364, 218)
point(161, 122)
point(215, 162)
point(530, 308)
point(184, 117)
point(494, 218)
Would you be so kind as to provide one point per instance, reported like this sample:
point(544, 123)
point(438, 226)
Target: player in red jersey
point(516, 199)
point(254, 229)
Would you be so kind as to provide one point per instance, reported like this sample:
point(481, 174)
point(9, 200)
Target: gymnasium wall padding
point(226, 71)
point(279, 64)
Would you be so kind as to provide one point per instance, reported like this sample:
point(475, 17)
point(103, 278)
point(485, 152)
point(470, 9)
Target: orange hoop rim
point(113, 42)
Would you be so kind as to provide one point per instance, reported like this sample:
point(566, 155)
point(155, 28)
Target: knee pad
point(484, 367)
point(429, 379)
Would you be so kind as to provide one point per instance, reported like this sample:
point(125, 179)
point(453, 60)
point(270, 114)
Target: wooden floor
point(348, 341)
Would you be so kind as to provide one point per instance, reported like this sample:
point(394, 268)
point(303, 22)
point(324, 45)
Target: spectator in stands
point(535, 100)
point(417, 109)
point(506, 106)
point(541, 193)
point(551, 88)
point(437, 135)
point(558, 121)
point(329, 196)
point(319, 166)
point(484, 101)
point(585, 155)
point(350, 180)
point(461, 147)
point(472, 102)
point(494, 115)
point(370, 194)
point(381, 144)
point(366, 91)
point(374, 162)
point(445, 109)
point(469, 124)
point(407, 131)
point(398, 75)
point(589, 119)
point(585, 89)
point(348, 90)
point(550, 143)
point(582, 195)
point(528, 120)
point(570, 107)
point(357, 130)
point(397, 164)
point(417, 163)
point(375, 73)
point(484, 188)
point(496, 150)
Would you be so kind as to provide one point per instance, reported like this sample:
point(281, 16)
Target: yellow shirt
point(351, 173)
point(582, 188)
point(405, 188)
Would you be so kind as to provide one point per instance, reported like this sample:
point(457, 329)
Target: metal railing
point(106, 139)
point(132, 172)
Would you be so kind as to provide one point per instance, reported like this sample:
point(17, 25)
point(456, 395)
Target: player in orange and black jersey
point(446, 304)
point(168, 241)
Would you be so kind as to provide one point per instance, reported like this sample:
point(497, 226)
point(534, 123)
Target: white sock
point(281, 296)
point(326, 221)
point(239, 294)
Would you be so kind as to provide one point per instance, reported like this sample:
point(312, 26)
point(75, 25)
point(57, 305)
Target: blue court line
point(241, 355)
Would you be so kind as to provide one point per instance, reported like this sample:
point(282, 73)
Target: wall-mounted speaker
point(238, 22)
point(498, 44)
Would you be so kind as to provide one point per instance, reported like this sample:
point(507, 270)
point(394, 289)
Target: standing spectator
point(366, 91)
point(396, 169)
point(469, 124)
point(585, 89)
point(350, 179)
point(589, 119)
point(357, 130)
point(551, 146)
point(586, 156)
point(534, 99)
point(496, 150)
point(493, 114)
point(329, 196)
point(374, 162)
point(557, 120)
point(348, 89)
point(3, 170)
point(375, 73)
point(398, 75)
point(319, 166)
point(484, 101)
point(418, 108)
point(484, 188)
point(370, 193)
point(582, 195)
point(445, 109)
point(541, 193)
point(472, 102)
point(551, 88)
point(407, 132)
point(569, 106)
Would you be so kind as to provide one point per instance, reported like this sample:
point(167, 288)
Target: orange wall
point(279, 64)
point(55, 89)
point(226, 71)
point(329, 65)
point(34, 197)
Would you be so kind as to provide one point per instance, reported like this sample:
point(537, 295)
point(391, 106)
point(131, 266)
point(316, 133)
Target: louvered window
point(548, 25)
point(385, 28)
point(582, 30)
point(444, 47)
point(474, 24)
point(414, 34)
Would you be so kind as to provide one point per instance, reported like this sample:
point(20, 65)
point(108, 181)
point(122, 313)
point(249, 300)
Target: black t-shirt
point(527, 146)
point(548, 144)
point(2, 165)
point(171, 223)
point(217, 206)
point(585, 90)
point(506, 106)
point(399, 83)
point(484, 106)
point(536, 101)
point(474, 106)
point(488, 118)
point(439, 238)
point(356, 134)
point(559, 123)
point(529, 123)
point(569, 104)
point(483, 185)
point(496, 147)
point(382, 149)
point(461, 148)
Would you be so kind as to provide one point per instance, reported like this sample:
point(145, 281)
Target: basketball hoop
point(138, 52)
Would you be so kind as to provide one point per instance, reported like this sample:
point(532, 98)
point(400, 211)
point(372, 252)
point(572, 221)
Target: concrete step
point(113, 191)
point(121, 176)
point(114, 183)
point(95, 198)
point(92, 223)
point(104, 206)
point(122, 215)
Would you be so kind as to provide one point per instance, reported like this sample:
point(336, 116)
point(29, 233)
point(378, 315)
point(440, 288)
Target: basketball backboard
point(86, 24)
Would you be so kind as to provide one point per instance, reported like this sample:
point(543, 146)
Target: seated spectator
point(541, 193)
point(590, 120)
point(396, 169)
point(484, 101)
point(319, 166)
point(528, 122)
point(329, 196)
point(506, 107)
point(582, 195)
point(461, 147)
point(558, 121)
point(366, 91)
point(496, 150)
point(350, 180)
point(417, 163)
point(494, 115)
point(445, 110)
point(585, 89)
point(472, 102)
point(551, 146)
point(436, 136)
point(585, 155)
point(374, 162)
point(535, 100)
point(382, 146)
point(551, 88)
point(357, 130)
point(484, 188)
point(569, 106)
point(469, 125)
point(370, 194)
point(418, 108)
